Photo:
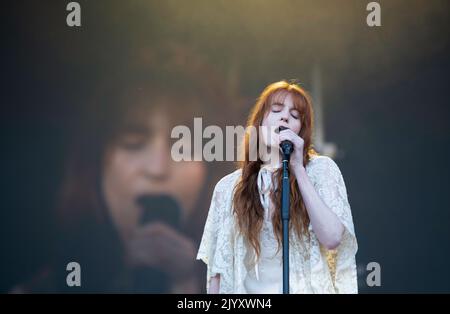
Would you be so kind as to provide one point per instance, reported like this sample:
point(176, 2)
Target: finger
point(288, 137)
point(291, 133)
point(164, 233)
point(157, 229)
point(291, 137)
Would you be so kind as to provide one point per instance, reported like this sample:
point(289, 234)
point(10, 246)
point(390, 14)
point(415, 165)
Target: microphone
point(286, 146)
point(162, 208)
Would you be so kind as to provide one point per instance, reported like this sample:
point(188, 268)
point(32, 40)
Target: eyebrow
point(135, 129)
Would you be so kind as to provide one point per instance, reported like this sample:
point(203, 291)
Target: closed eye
point(132, 142)
point(134, 137)
point(295, 114)
point(277, 107)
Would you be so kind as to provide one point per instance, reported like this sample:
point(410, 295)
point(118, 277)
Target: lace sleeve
point(331, 188)
point(216, 246)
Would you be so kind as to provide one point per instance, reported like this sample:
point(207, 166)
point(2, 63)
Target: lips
point(280, 128)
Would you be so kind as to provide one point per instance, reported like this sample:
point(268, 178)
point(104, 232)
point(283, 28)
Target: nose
point(285, 115)
point(157, 163)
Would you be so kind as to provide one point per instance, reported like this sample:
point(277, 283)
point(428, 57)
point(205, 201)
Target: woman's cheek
point(116, 184)
point(187, 182)
point(297, 126)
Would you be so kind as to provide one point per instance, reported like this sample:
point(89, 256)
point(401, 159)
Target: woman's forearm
point(325, 223)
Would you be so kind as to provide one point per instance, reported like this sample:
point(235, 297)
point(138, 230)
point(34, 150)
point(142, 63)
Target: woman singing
point(241, 243)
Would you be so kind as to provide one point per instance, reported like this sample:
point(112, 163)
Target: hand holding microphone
point(286, 146)
point(291, 146)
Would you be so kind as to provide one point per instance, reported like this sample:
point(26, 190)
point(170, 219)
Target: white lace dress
point(313, 269)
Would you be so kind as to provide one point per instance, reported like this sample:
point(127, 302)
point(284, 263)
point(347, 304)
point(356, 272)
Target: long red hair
point(247, 205)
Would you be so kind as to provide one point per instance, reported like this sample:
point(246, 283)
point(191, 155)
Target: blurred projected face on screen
point(281, 112)
point(139, 163)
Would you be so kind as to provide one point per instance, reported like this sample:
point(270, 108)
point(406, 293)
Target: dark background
point(385, 95)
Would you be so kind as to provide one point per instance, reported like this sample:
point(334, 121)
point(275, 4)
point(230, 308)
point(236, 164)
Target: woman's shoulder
point(228, 182)
point(321, 164)
point(320, 160)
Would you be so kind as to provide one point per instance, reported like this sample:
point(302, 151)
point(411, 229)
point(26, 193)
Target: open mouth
point(159, 207)
point(279, 129)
